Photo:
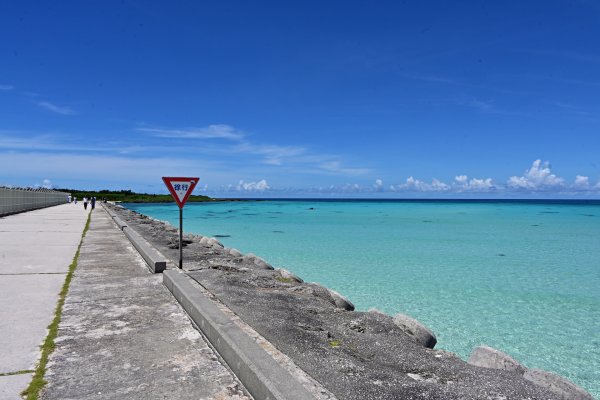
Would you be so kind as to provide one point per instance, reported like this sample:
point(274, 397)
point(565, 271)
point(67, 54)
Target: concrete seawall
point(14, 201)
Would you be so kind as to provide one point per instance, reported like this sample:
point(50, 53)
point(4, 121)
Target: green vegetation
point(284, 280)
point(32, 391)
point(127, 196)
point(335, 343)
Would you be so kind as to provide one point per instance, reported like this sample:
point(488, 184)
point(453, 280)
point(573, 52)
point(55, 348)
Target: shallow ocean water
point(522, 277)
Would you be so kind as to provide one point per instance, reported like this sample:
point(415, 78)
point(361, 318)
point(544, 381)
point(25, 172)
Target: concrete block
point(415, 329)
point(120, 223)
point(284, 273)
point(156, 262)
point(235, 253)
point(11, 386)
point(341, 301)
point(257, 370)
point(331, 296)
point(214, 243)
point(260, 263)
point(487, 357)
point(562, 387)
point(109, 211)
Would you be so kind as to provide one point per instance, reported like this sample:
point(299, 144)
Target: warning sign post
point(180, 188)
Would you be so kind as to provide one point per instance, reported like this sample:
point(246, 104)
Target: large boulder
point(562, 387)
point(413, 328)
point(487, 357)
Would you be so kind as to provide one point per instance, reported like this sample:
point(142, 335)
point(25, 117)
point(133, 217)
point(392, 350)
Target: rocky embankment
point(355, 355)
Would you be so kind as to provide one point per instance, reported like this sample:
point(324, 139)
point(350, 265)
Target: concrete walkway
point(123, 336)
point(36, 249)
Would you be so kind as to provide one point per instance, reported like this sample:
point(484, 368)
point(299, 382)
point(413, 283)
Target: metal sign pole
point(180, 238)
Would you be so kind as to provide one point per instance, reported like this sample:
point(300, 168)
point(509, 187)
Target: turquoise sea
point(520, 276)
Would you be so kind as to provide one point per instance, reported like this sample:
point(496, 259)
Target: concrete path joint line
point(36, 273)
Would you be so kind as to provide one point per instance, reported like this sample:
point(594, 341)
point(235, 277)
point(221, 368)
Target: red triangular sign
point(180, 188)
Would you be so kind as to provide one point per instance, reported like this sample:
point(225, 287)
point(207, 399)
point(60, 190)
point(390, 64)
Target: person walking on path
point(85, 201)
point(93, 202)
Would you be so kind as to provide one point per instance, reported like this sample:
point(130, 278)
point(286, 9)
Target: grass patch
point(22, 372)
point(284, 280)
point(37, 383)
point(335, 343)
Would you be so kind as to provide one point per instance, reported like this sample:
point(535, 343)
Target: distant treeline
point(127, 196)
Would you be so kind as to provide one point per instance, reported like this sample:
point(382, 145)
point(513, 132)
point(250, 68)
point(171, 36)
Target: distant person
point(93, 202)
point(85, 201)
point(75, 200)
point(69, 199)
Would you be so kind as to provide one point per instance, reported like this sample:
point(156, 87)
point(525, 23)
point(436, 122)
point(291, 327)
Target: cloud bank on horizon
point(233, 153)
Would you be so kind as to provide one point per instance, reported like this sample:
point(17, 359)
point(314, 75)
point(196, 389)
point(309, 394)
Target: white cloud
point(581, 182)
point(217, 131)
point(6, 87)
point(537, 178)
point(259, 186)
point(437, 185)
point(413, 184)
point(336, 167)
point(299, 157)
point(378, 186)
point(416, 185)
point(63, 110)
point(346, 188)
point(461, 180)
point(132, 171)
point(274, 154)
point(462, 183)
point(481, 184)
point(47, 184)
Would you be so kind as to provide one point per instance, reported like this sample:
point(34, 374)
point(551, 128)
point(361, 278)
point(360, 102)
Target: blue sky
point(306, 98)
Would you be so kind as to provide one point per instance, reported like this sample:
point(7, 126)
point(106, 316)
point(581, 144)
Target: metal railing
point(15, 200)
